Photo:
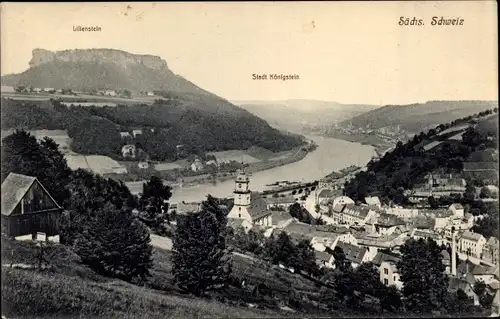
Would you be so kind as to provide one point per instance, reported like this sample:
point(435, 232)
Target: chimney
point(453, 252)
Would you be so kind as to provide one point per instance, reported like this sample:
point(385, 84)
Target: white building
point(471, 244)
point(136, 132)
point(389, 274)
point(143, 165)
point(110, 93)
point(457, 210)
point(247, 205)
point(350, 214)
point(342, 200)
point(373, 201)
point(128, 150)
point(197, 165)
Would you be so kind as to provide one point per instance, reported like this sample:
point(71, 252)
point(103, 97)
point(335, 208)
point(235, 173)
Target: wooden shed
point(28, 208)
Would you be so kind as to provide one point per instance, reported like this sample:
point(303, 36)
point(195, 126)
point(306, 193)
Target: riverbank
point(330, 155)
point(176, 179)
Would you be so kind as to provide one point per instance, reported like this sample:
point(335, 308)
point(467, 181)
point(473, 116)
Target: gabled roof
point(353, 253)
point(471, 236)
point(352, 210)
point(258, 207)
point(381, 257)
point(373, 200)
point(326, 193)
point(14, 188)
point(389, 220)
point(279, 216)
point(322, 256)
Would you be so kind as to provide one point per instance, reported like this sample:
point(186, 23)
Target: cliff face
point(122, 58)
point(89, 69)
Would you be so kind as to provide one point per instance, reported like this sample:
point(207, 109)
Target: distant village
point(373, 232)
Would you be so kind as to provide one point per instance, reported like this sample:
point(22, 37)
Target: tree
point(341, 262)
point(422, 272)
point(23, 154)
point(154, 202)
point(391, 299)
point(200, 258)
point(115, 244)
point(485, 299)
point(306, 258)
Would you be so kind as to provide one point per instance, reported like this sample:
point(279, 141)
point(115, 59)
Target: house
point(485, 273)
point(351, 214)
point(373, 201)
point(143, 165)
point(355, 254)
point(324, 195)
point(323, 240)
point(456, 284)
point(386, 224)
point(248, 205)
point(125, 135)
point(342, 200)
point(136, 133)
point(150, 93)
point(197, 165)
point(491, 250)
point(324, 259)
point(236, 223)
point(49, 90)
point(457, 210)
point(471, 244)
point(28, 208)
point(427, 234)
point(37, 90)
point(406, 214)
point(110, 93)
point(128, 150)
point(389, 274)
point(441, 217)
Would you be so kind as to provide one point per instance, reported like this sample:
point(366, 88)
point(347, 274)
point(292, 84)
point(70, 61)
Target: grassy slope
point(72, 290)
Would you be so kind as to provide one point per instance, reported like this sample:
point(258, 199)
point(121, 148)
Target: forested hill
point(184, 115)
point(414, 117)
point(199, 124)
point(408, 163)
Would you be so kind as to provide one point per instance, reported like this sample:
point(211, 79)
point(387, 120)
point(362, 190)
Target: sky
point(348, 52)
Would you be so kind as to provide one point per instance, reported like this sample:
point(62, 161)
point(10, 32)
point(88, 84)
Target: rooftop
point(471, 236)
point(353, 253)
point(382, 256)
point(14, 188)
point(389, 220)
point(322, 256)
point(258, 207)
point(326, 193)
point(374, 200)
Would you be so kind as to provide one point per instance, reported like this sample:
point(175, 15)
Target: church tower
point(241, 190)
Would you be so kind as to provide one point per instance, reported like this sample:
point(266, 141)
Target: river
point(330, 155)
